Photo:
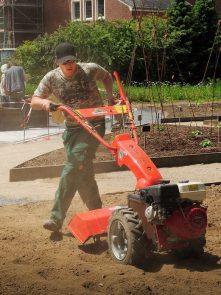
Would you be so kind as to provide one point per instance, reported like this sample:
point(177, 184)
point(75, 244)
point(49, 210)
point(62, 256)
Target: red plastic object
point(87, 224)
point(131, 155)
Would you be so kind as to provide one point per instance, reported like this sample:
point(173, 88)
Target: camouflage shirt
point(78, 92)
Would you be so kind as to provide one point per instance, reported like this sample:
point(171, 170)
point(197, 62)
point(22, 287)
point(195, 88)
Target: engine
point(161, 201)
point(177, 209)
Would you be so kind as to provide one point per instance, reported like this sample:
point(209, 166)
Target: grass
point(164, 92)
point(167, 92)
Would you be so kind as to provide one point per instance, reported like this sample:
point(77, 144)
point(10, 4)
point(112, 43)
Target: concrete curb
point(187, 119)
point(41, 172)
point(32, 173)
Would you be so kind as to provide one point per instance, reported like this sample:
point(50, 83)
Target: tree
point(204, 31)
point(180, 20)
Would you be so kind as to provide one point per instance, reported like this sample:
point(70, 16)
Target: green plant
point(204, 26)
point(179, 26)
point(206, 143)
point(196, 132)
point(139, 133)
point(30, 88)
point(111, 137)
point(160, 127)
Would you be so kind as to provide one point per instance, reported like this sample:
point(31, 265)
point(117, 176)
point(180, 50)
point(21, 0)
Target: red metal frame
point(126, 150)
point(76, 115)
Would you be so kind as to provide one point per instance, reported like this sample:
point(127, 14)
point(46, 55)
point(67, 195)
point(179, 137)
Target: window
point(100, 9)
point(76, 10)
point(88, 9)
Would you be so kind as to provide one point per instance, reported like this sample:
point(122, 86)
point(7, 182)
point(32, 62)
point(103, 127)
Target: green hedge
point(111, 44)
point(156, 50)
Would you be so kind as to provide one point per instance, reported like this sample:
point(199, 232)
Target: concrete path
point(12, 155)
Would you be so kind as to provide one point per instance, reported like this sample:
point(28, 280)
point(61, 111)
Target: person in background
point(15, 83)
point(3, 96)
point(74, 84)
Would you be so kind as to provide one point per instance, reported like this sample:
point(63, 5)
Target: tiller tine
point(90, 224)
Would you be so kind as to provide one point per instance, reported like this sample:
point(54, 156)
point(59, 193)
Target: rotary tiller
point(159, 216)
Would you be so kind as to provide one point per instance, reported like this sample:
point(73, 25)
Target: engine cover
point(195, 191)
point(188, 223)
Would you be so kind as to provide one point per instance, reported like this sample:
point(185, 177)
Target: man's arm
point(108, 84)
point(40, 101)
point(3, 84)
point(101, 74)
point(40, 104)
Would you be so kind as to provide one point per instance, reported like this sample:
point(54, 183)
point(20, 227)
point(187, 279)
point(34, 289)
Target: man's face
point(68, 68)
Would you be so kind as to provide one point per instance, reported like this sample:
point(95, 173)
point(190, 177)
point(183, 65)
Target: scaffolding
point(20, 20)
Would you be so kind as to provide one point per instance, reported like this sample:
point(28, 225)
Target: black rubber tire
point(127, 240)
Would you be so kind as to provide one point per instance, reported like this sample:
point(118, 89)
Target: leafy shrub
point(196, 132)
point(205, 143)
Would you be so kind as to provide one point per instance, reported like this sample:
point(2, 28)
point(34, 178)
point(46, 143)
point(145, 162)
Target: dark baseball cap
point(65, 52)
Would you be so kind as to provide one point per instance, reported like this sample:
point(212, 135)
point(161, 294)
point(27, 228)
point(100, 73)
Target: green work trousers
point(78, 173)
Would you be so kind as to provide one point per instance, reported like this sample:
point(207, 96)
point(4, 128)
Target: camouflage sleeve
point(98, 72)
point(44, 88)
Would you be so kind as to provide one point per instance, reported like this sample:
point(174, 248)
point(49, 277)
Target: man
point(4, 99)
point(15, 83)
point(74, 84)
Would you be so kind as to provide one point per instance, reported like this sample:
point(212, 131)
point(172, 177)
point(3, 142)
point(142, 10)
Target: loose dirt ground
point(33, 261)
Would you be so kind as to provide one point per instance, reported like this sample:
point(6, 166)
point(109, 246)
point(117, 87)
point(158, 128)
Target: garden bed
point(162, 141)
point(166, 147)
point(166, 143)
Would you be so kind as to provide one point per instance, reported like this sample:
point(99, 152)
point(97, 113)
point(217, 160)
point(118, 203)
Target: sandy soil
point(35, 262)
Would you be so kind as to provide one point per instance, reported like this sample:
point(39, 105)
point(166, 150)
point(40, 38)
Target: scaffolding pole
point(20, 20)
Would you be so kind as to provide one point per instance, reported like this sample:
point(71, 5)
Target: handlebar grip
point(53, 107)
